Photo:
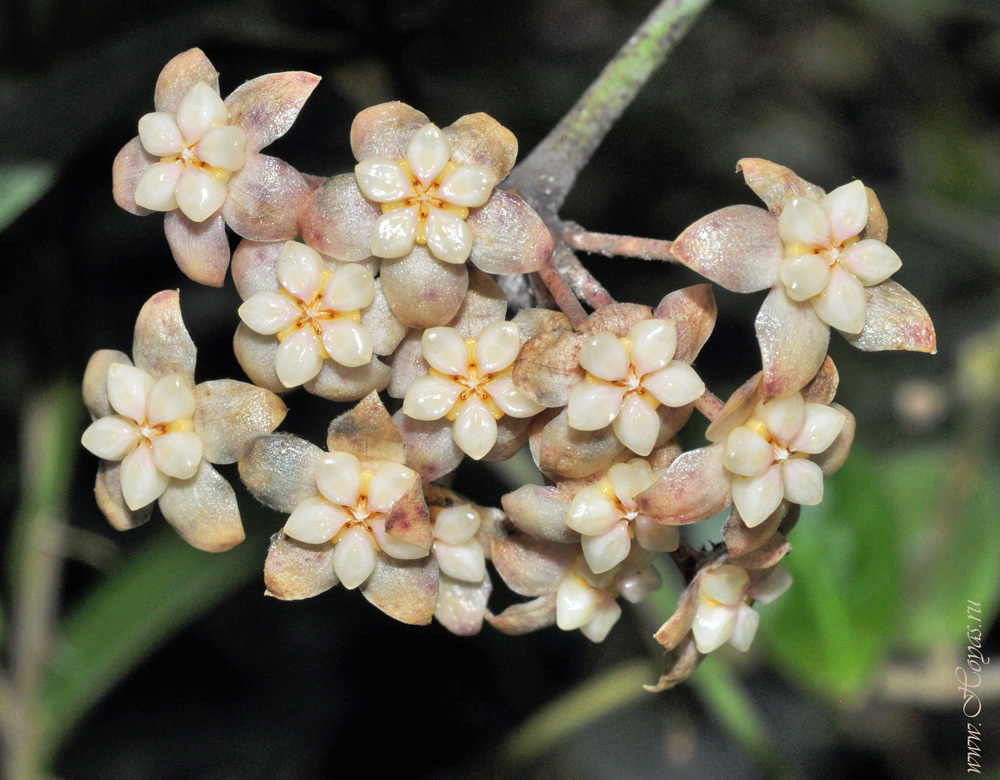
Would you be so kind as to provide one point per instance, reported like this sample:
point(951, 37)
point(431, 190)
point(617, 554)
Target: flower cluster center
point(313, 313)
point(425, 199)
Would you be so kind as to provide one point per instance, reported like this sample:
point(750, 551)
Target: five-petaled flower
point(198, 159)
point(157, 432)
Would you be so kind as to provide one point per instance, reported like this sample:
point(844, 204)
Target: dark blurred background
point(853, 670)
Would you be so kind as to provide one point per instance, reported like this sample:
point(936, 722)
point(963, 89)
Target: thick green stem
point(546, 176)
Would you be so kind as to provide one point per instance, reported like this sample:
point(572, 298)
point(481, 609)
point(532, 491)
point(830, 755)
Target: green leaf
point(834, 626)
point(161, 589)
point(20, 187)
point(946, 510)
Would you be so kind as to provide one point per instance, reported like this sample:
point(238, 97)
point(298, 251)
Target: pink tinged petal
point(264, 200)
point(399, 549)
point(462, 605)
point(604, 356)
point(298, 571)
point(784, 417)
point(655, 537)
point(142, 482)
point(280, 470)
point(639, 585)
point(604, 619)
point(508, 236)
point(157, 187)
point(463, 561)
point(160, 135)
point(757, 497)
point(653, 343)
point(444, 349)
point(300, 270)
point(630, 479)
point(676, 385)
point(695, 487)
point(576, 603)
point(338, 220)
point(511, 399)
point(161, 344)
point(128, 388)
point(390, 483)
point(351, 288)
point(804, 276)
point(713, 626)
point(169, 399)
point(430, 397)
point(298, 358)
point(834, 456)
point(448, 237)
point(803, 481)
point(773, 586)
point(747, 620)
point(428, 152)
point(405, 590)
point(223, 147)
point(200, 110)
point(842, 303)
point(111, 438)
point(540, 512)
point(737, 247)
point(693, 313)
point(177, 454)
point(340, 383)
point(255, 354)
point(747, 453)
point(354, 557)
point(199, 194)
point(128, 168)
point(847, 207)
point(267, 106)
point(821, 426)
point(497, 346)
point(268, 312)
point(594, 404)
point(592, 512)
point(347, 343)
point(805, 223)
point(423, 291)
point(637, 426)
point(180, 75)
point(871, 261)
point(387, 331)
point(108, 493)
point(203, 510)
point(775, 184)
point(793, 342)
point(230, 413)
point(480, 139)
point(384, 130)
point(895, 320)
point(605, 551)
point(201, 249)
point(395, 233)
point(383, 181)
point(475, 429)
point(430, 448)
point(315, 521)
point(468, 185)
point(338, 477)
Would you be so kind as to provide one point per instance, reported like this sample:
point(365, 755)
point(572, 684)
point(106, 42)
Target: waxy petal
point(747, 620)
point(676, 385)
point(347, 343)
point(653, 343)
point(160, 135)
point(128, 388)
point(354, 557)
point(383, 181)
point(430, 397)
point(315, 521)
point(871, 261)
point(713, 626)
point(497, 346)
point(300, 270)
point(747, 453)
point(842, 303)
point(820, 427)
point(395, 233)
point(757, 497)
point(803, 276)
point(199, 194)
point(803, 481)
point(385, 130)
point(200, 110)
point(468, 185)
point(448, 237)
point(298, 358)
point(349, 289)
point(338, 477)
point(655, 537)
point(390, 483)
point(784, 417)
point(201, 249)
point(108, 493)
point(169, 399)
point(604, 356)
point(630, 479)
point(112, 437)
point(604, 619)
point(456, 524)
point(607, 550)
point(576, 603)
point(475, 429)
point(592, 512)
point(223, 147)
point(464, 561)
point(594, 404)
point(793, 343)
point(177, 454)
point(398, 549)
point(803, 225)
point(444, 349)
point(156, 189)
point(637, 425)
point(203, 510)
point(269, 312)
point(726, 584)
point(847, 208)
point(142, 482)
point(511, 399)
point(428, 152)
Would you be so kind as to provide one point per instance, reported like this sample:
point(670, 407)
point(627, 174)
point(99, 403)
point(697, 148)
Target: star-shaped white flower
point(724, 614)
point(425, 198)
point(315, 315)
point(769, 455)
point(627, 379)
point(606, 516)
point(152, 434)
point(198, 149)
point(351, 511)
point(825, 263)
point(470, 383)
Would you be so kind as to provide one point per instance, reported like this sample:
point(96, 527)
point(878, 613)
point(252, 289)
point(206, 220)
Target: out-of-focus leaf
point(946, 511)
point(157, 592)
point(20, 187)
point(835, 624)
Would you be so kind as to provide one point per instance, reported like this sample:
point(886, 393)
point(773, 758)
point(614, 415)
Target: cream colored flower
point(627, 379)
point(425, 198)
point(826, 262)
point(470, 383)
point(768, 455)
point(315, 314)
point(606, 516)
point(723, 612)
point(456, 543)
point(351, 511)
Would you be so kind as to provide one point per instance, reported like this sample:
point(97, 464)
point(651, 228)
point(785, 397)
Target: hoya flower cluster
point(378, 287)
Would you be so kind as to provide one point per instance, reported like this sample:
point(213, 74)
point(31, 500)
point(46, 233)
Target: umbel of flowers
point(384, 279)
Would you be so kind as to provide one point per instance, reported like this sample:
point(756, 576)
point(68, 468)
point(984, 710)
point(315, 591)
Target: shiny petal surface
point(449, 238)
point(871, 261)
point(653, 343)
point(604, 619)
point(445, 350)
point(338, 477)
point(349, 289)
point(315, 521)
point(847, 207)
point(347, 343)
point(456, 524)
point(607, 550)
point(430, 397)
point(142, 483)
point(354, 557)
point(637, 425)
point(399, 549)
point(169, 399)
point(223, 147)
point(655, 537)
point(160, 135)
point(300, 270)
point(576, 602)
point(298, 358)
point(268, 312)
point(804, 276)
point(199, 194)
point(475, 429)
point(468, 185)
point(676, 385)
point(464, 561)
point(713, 626)
point(803, 224)
point(497, 346)
point(784, 417)
point(821, 426)
point(156, 189)
point(511, 399)
point(604, 356)
point(394, 233)
point(593, 511)
point(128, 388)
point(757, 497)
point(842, 303)
point(112, 437)
point(390, 483)
point(594, 405)
point(803, 481)
point(428, 153)
point(747, 453)
point(383, 181)
point(177, 454)
point(200, 110)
